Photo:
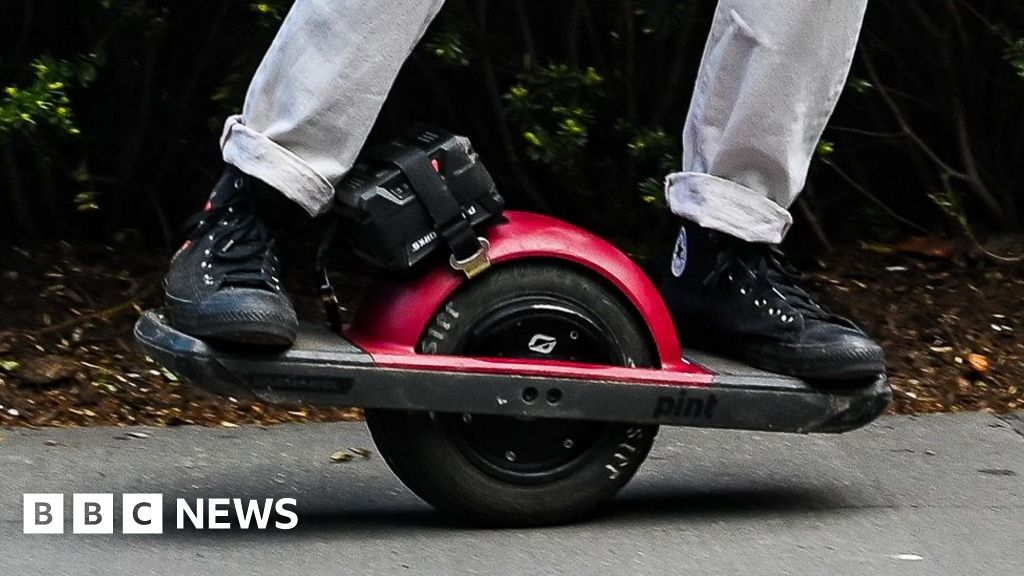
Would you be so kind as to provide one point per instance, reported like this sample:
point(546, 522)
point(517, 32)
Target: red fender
point(395, 316)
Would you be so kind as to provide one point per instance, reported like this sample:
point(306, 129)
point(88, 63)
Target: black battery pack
point(425, 192)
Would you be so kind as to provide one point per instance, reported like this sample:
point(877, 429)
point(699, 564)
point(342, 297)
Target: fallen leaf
point(47, 370)
point(997, 472)
point(929, 246)
point(9, 365)
point(226, 424)
point(341, 456)
point(878, 248)
point(978, 363)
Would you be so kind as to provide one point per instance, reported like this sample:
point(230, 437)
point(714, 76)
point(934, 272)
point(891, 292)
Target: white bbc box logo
point(142, 514)
point(92, 513)
point(43, 514)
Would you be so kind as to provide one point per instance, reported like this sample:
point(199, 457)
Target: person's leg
point(770, 79)
point(318, 91)
point(307, 114)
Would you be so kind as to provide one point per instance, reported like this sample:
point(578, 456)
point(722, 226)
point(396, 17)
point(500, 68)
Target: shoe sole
point(850, 365)
point(839, 366)
point(258, 333)
point(248, 323)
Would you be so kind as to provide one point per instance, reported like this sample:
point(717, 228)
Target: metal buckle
point(332, 306)
point(475, 264)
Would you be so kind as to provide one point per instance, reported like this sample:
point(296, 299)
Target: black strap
point(430, 187)
point(328, 296)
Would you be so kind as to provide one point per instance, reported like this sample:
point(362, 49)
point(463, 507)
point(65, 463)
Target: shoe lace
point(241, 244)
point(772, 271)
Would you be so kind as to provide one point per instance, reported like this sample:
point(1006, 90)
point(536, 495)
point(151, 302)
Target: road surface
point(931, 495)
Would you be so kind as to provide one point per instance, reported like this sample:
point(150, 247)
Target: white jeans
point(771, 75)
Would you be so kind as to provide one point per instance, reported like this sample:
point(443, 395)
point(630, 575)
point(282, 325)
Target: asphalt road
point(930, 496)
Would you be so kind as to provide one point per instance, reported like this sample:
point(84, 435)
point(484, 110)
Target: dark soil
point(66, 317)
point(953, 329)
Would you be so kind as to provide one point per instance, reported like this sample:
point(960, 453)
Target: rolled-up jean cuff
point(262, 158)
point(723, 205)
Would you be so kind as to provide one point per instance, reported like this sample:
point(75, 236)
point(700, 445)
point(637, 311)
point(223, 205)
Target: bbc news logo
point(144, 514)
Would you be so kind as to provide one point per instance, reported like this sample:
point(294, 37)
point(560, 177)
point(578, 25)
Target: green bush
point(111, 110)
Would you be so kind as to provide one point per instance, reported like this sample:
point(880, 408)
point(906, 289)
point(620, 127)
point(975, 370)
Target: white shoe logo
point(679, 255)
point(542, 344)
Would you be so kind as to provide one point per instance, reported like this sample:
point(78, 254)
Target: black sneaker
point(223, 284)
point(744, 300)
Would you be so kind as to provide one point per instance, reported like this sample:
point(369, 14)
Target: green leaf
point(9, 366)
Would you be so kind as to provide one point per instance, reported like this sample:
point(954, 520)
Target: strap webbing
point(430, 187)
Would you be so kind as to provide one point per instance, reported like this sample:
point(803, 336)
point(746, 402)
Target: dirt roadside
point(953, 330)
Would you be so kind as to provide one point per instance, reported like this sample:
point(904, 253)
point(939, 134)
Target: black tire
point(453, 461)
